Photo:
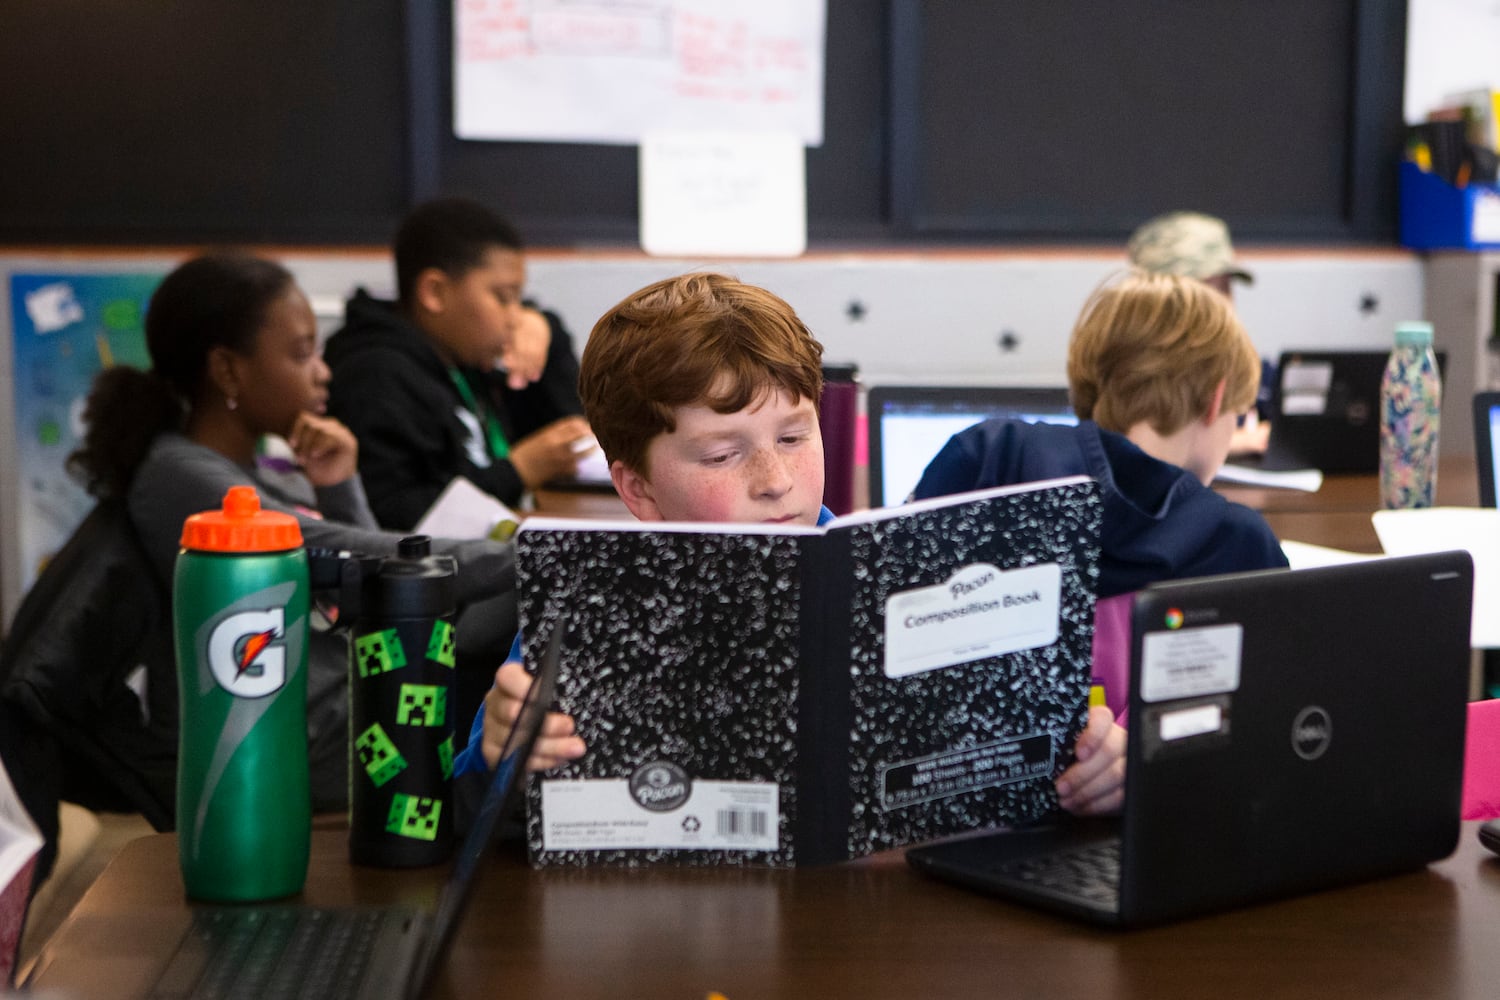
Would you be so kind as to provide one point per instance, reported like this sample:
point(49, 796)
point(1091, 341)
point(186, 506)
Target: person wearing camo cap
point(1196, 245)
point(1190, 244)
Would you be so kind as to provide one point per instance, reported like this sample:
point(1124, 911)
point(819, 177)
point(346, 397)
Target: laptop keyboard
point(1090, 873)
point(265, 952)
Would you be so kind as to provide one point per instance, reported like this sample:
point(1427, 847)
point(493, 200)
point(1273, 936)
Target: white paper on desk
point(723, 194)
point(1306, 480)
point(20, 840)
point(593, 467)
point(1305, 555)
point(463, 510)
point(1476, 530)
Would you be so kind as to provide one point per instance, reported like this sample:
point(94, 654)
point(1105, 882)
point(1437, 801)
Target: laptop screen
point(909, 424)
point(1487, 445)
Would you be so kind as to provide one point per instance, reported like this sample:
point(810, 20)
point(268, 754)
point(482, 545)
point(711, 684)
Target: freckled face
point(762, 463)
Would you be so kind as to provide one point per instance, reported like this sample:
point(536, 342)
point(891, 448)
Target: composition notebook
point(1289, 730)
point(293, 950)
point(756, 694)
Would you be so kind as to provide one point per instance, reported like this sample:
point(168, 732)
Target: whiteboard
point(606, 71)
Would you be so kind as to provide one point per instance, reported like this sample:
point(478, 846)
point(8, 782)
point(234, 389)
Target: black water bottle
point(401, 662)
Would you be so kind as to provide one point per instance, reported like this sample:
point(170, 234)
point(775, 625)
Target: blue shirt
point(470, 760)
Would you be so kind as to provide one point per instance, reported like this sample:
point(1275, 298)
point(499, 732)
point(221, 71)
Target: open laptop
point(909, 424)
point(1325, 411)
point(1487, 444)
point(1288, 731)
point(295, 950)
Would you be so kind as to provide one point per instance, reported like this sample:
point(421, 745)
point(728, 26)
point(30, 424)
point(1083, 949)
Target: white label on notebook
point(1189, 662)
point(601, 814)
point(979, 611)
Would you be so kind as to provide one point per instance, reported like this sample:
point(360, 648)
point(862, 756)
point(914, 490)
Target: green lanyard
point(493, 432)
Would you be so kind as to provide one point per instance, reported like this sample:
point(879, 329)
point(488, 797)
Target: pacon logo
point(660, 786)
point(246, 654)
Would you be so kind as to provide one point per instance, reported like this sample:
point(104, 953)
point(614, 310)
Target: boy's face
point(473, 314)
point(762, 463)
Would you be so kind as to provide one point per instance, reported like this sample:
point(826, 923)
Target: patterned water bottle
point(240, 603)
point(1411, 395)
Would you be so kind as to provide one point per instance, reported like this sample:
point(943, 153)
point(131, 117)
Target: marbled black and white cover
point(682, 650)
point(989, 735)
point(740, 703)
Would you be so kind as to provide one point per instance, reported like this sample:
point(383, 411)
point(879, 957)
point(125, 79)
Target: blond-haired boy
point(703, 393)
point(1158, 370)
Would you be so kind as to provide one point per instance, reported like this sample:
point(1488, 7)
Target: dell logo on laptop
point(1312, 731)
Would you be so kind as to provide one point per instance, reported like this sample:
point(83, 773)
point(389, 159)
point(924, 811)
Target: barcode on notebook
point(741, 823)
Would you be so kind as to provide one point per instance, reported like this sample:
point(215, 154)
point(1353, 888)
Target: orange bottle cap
point(241, 526)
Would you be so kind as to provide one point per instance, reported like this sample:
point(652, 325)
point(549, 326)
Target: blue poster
point(66, 328)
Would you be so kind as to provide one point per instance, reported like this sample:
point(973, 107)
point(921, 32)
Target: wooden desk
point(1338, 514)
point(869, 929)
point(582, 503)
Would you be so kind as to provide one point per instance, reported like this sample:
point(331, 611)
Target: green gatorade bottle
point(240, 603)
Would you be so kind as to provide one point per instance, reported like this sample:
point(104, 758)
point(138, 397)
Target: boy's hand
point(525, 358)
point(1095, 783)
point(550, 453)
point(556, 743)
point(325, 448)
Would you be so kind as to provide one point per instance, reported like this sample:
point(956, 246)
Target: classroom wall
point(937, 316)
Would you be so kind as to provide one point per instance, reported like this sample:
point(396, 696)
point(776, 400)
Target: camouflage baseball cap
point(1186, 243)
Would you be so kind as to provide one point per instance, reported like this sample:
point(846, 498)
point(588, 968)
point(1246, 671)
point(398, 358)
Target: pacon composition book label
point(614, 814)
point(979, 611)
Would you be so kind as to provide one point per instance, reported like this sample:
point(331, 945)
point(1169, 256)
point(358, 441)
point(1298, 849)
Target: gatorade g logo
point(246, 654)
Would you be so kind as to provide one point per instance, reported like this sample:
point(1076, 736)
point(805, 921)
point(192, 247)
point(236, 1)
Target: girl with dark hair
point(234, 359)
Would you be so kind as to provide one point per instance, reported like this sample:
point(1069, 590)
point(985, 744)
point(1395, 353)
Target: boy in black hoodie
point(418, 380)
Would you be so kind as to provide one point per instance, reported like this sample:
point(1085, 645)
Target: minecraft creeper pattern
point(379, 652)
point(440, 646)
point(379, 755)
point(413, 816)
point(445, 756)
point(422, 705)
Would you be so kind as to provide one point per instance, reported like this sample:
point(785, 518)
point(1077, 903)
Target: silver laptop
point(1288, 731)
point(909, 424)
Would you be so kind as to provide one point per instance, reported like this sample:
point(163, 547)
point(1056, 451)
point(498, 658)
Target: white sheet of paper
point(1476, 530)
point(607, 71)
point(1305, 555)
point(723, 194)
point(463, 510)
point(1306, 480)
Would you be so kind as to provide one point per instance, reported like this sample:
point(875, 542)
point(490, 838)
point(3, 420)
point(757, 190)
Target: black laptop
point(1325, 411)
point(293, 950)
point(1487, 444)
point(909, 424)
point(1288, 731)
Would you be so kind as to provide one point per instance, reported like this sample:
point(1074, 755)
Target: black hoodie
point(415, 432)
